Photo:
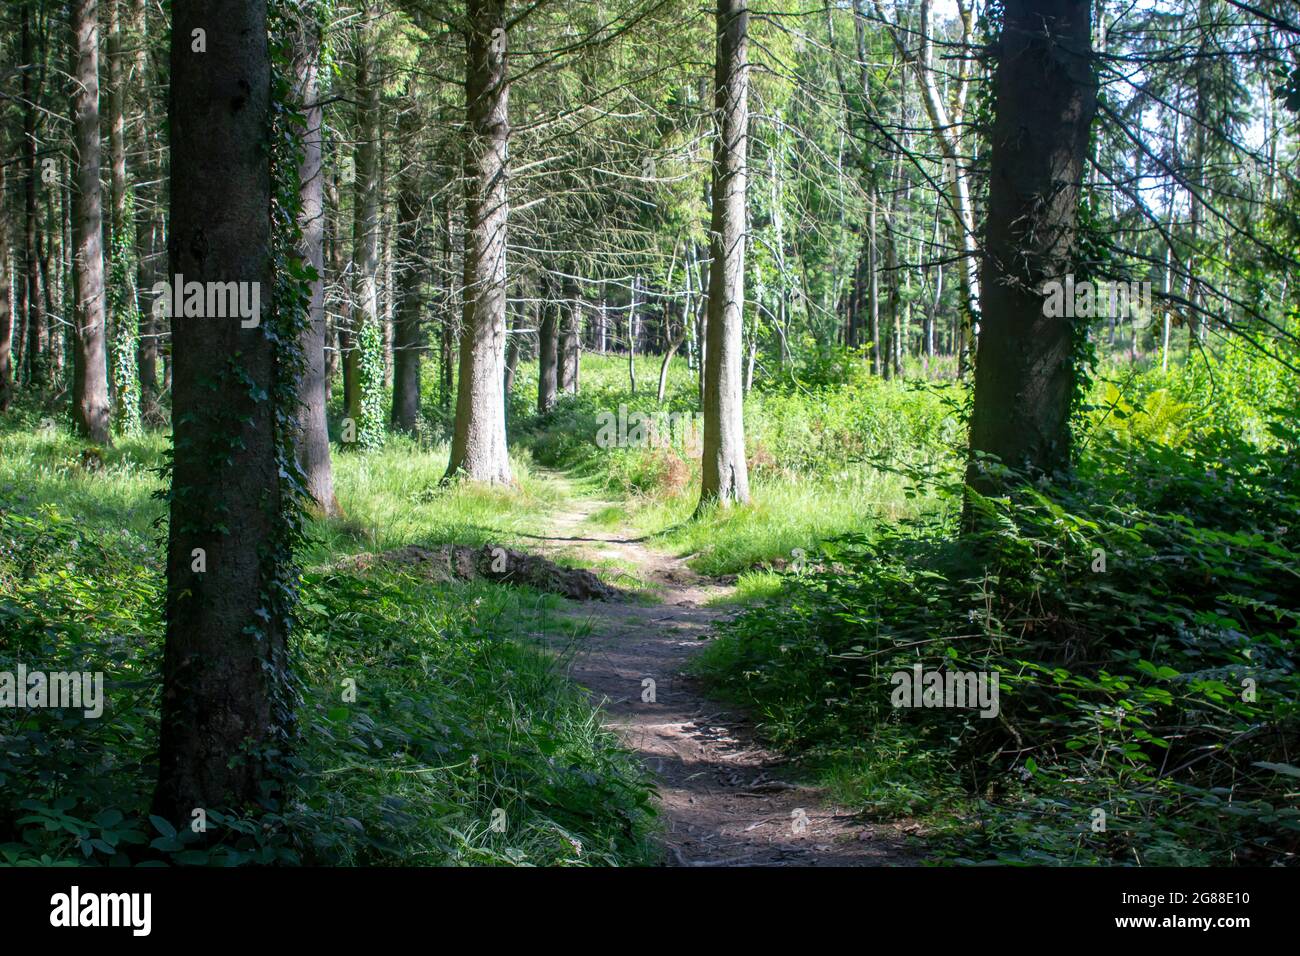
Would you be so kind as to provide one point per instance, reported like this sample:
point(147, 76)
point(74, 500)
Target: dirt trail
point(724, 799)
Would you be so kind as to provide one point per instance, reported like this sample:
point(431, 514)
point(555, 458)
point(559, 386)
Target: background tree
point(90, 378)
point(314, 444)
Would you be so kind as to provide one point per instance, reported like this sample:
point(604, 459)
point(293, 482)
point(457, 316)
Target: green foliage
point(456, 715)
point(1143, 618)
point(830, 450)
point(125, 314)
point(370, 382)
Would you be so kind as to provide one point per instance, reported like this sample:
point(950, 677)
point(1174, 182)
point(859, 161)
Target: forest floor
point(724, 798)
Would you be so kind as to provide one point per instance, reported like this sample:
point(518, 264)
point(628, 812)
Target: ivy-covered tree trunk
point(725, 477)
point(447, 313)
point(148, 224)
point(123, 313)
point(6, 309)
point(363, 369)
point(1046, 95)
point(90, 369)
point(225, 640)
point(478, 447)
point(314, 439)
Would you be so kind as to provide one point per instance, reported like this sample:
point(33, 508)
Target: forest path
point(722, 796)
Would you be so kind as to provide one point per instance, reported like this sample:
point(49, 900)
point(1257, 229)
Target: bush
point(1143, 618)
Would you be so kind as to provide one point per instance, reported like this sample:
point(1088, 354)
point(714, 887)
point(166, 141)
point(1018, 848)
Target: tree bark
point(224, 653)
point(313, 437)
point(148, 227)
point(1045, 100)
point(447, 314)
point(408, 343)
point(725, 477)
point(548, 348)
point(570, 340)
point(6, 308)
point(33, 80)
point(90, 369)
point(631, 334)
point(478, 448)
point(365, 233)
point(948, 129)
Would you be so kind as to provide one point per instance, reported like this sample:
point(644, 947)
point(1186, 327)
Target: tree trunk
point(6, 308)
point(365, 248)
point(672, 349)
point(33, 80)
point(603, 320)
point(446, 330)
point(548, 347)
point(313, 437)
point(1045, 100)
point(570, 338)
point(407, 336)
point(631, 335)
point(148, 227)
point(948, 130)
point(224, 659)
point(725, 476)
point(90, 371)
point(478, 448)
point(512, 356)
point(336, 272)
point(873, 286)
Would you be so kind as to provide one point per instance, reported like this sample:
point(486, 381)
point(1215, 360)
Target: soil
point(725, 799)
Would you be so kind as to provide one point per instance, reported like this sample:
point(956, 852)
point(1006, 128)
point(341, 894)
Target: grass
point(782, 519)
point(394, 496)
point(822, 463)
point(465, 744)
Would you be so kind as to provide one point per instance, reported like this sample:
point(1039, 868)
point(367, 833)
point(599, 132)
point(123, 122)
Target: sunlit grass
point(783, 515)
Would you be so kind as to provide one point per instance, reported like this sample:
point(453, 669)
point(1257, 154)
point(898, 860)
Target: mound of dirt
point(450, 563)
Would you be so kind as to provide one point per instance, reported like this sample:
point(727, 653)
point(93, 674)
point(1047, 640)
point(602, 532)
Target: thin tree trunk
point(90, 371)
point(447, 330)
point(313, 439)
point(337, 271)
point(33, 80)
point(948, 130)
point(671, 351)
point(513, 349)
point(631, 335)
point(365, 238)
point(408, 341)
point(873, 285)
point(570, 337)
point(6, 308)
point(147, 228)
point(548, 347)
